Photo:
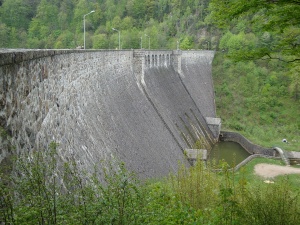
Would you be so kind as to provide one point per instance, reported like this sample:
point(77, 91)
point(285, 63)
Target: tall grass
point(270, 204)
point(224, 198)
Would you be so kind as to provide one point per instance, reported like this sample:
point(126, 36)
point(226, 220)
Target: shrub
point(270, 204)
point(40, 191)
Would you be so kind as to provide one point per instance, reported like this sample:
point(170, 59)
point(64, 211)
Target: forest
point(257, 71)
point(59, 23)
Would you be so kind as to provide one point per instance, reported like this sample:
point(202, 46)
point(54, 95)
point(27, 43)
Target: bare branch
point(282, 60)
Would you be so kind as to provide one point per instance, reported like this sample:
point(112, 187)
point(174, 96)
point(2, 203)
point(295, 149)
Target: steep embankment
point(93, 105)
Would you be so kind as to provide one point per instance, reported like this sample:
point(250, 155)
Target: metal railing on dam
point(142, 107)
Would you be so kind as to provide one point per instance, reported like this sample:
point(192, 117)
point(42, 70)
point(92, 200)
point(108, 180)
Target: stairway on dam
point(141, 107)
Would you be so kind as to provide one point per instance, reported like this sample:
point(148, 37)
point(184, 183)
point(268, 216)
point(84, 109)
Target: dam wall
point(141, 107)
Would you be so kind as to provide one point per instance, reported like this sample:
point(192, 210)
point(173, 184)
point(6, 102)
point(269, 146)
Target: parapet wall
point(158, 58)
point(100, 105)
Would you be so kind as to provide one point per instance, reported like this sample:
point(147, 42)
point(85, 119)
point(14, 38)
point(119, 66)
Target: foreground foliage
point(35, 194)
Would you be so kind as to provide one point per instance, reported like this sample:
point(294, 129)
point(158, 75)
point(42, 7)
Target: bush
point(38, 192)
point(270, 204)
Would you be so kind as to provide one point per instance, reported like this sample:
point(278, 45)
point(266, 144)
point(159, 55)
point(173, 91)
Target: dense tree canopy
point(275, 23)
point(59, 23)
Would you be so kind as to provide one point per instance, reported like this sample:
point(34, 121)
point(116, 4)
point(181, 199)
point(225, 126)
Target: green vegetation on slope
point(59, 24)
point(272, 27)
point(36, 194)
point(257, 100)
point(257, 72)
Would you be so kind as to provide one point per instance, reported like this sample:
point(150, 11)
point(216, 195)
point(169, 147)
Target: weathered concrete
point(141, 107)
point(195, 67)
point(283, 156)
point(195, 154)
point(214, 125)
point(257, 151)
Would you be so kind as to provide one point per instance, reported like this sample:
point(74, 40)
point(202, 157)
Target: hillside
point(256, 100)
point(60, 24)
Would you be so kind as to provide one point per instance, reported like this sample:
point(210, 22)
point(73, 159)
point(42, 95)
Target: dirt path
point(270, 171)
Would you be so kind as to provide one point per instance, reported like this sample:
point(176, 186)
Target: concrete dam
point(141, 107)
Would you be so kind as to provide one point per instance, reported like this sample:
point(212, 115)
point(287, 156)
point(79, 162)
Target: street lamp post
point(84, 27)
point(207, 44)
point(148, 40)
point(119, 37)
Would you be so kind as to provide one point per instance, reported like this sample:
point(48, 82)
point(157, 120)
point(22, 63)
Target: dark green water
point(232, 152)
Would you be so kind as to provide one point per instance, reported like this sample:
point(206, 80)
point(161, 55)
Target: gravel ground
point(270, 171)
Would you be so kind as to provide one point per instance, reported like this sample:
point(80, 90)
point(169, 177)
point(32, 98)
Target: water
point(232, 152)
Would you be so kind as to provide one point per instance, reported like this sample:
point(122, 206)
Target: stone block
point(214, 125)
point(195, 154)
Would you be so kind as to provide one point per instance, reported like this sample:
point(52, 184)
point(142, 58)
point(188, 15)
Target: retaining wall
point(246, 144)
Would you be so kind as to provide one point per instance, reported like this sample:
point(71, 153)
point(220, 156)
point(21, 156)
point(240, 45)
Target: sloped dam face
point(141, 107)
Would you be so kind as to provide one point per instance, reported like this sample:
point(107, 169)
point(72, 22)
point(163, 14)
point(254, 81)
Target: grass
point(247, 173)
point(254, 99)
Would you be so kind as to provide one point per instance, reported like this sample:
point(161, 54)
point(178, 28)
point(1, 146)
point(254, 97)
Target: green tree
point(100, 41)
point(236, 45)
point(81, 8)
point(136, 9)
point(15, 13)
point(162, 8)
point(98, 17)
point(187, 43)
point(116, 23)
point(4, 33)
point(110, 10)
point(294, 73)
point(65, 14)
point(65, 40)
point(280, 18)
point(44, 29)
point(127, 23)
point(151, 6)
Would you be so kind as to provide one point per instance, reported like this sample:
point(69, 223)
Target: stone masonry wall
point(94, 104)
